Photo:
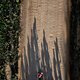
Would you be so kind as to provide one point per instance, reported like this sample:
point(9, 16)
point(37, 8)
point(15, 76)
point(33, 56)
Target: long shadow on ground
point(32, 58)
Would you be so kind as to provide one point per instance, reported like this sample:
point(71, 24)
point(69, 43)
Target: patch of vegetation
point(9, 33)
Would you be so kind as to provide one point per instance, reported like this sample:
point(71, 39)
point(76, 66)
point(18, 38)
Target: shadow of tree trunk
point(57, 70)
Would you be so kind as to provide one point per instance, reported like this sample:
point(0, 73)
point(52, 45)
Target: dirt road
point(44, 39)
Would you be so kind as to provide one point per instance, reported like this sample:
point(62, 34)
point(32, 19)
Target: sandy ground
point(43, 39)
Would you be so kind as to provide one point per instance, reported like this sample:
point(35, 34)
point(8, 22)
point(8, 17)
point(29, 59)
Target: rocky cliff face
point(45, 29)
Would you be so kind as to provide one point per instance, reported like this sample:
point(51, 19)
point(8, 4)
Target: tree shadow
point(46, 62)
point(33, 58)
point(24, 65)
point(54, 67)
point(33, 54)
point(56, 61)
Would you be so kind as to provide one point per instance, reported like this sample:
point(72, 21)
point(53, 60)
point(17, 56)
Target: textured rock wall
point(45, 27)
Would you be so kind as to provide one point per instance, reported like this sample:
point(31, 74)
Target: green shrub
point(9, 33)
